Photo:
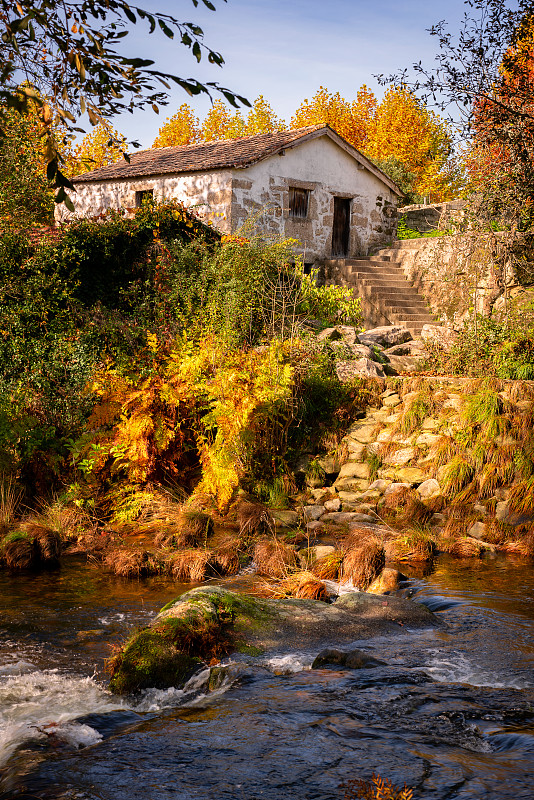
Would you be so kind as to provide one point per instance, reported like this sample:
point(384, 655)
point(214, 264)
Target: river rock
point(309, 555)
point(386, 336)
point(329, 335)
point(394, 487)
point(285, 519)
point(477, 530)
point(346, 371)
point(354, 469)
point(312, 512)
point(379, 486)
point(362, 432)
point(333, 505)
point(388, 581)
point(353, 659)
point(504, 513)
point(411, 475)
point(209, 621)
point(400, 457)
point(356, 449)
point(392, 400)
point(428, 489)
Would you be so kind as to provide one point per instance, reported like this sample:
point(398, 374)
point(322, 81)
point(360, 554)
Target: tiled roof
point(223, 154)
point(200, 157)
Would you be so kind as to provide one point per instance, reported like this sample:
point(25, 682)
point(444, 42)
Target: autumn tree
point(25, 197)
point(403, 130)
point(103, 145)
point(350, 119)
point(262, 119)
point(70, 54)
point(219, 123)
point(182, 128)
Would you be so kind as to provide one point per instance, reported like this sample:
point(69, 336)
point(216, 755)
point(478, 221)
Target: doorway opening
point(341, 227)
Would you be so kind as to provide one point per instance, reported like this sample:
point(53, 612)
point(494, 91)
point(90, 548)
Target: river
point(451, 714)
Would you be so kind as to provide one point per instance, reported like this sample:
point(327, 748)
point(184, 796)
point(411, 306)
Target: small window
point(298, 203)
point(144, 196)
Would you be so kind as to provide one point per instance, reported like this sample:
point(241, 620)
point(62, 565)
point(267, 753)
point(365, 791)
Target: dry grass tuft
point(189, 566)
point(414, 545)
point(225, 559)
point(274, 558)
point(19, 552)
point(10, 497)
point(132, 563)
point(254, 519)
point(47, 542)
point(465, 547)
point(328, 567)
point(363, 563)
point(404, 508)
point(301, 585)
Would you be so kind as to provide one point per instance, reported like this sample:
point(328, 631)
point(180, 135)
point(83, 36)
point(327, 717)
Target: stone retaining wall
point(455, 273)
point(458, 447)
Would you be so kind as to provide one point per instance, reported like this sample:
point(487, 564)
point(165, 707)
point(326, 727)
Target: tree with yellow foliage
point(220, 124)
point(350, 119)
point(102, 146)
point(403, 129)
point(262, 119)
point(182, 128)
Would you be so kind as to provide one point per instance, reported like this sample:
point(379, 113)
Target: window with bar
point(298, 202)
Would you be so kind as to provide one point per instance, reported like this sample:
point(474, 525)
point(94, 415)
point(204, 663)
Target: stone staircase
point(387, 296)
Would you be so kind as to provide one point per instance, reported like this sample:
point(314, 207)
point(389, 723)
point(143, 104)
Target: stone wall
point(438, 216)
point(446, 454)
point(455, 273)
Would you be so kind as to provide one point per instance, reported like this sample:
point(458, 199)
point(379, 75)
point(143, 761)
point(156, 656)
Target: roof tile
point(200, 157)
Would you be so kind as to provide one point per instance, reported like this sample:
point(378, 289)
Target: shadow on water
point(451, 713)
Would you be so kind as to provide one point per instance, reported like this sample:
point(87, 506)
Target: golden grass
point(301, 585)
point(254, 519)
point(363, 563)
point(328, 567)
point(189, 566)
point(225, 559)
point(465, 547)
point(128, 563)
point(458, 474)
point(521, 497)
point(404, 508)
point(443, 451)
point(414, 545)
point(10, 498)
point(274, 558)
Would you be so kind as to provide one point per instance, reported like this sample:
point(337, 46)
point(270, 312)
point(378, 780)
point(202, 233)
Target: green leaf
point(196, 51)
point(131, 16)
point(165, 28)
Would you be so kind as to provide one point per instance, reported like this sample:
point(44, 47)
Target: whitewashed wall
point(326, 170)
point(257, 197)
point(208, 193)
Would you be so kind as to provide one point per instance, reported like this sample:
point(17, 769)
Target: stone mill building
point(308, 184)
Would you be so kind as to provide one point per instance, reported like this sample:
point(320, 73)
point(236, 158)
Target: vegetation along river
point(451, 713)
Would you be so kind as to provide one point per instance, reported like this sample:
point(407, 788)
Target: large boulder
point(385, 336)
point(439, 334)
point(211, 621)
point(363, 367)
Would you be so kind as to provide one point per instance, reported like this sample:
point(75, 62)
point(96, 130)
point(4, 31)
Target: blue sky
point(286, 49)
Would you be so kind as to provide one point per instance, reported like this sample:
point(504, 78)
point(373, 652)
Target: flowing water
point(451, 713)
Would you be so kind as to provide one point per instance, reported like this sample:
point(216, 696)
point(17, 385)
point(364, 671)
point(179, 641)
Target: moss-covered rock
point(209, 622)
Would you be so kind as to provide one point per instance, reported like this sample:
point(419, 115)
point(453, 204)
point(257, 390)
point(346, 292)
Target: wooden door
point(341, 227)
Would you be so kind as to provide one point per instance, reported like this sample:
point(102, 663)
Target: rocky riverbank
point(209, 622)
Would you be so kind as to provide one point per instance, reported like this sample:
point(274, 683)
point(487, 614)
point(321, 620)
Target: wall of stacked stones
point(464, 448)
point(455, 273)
